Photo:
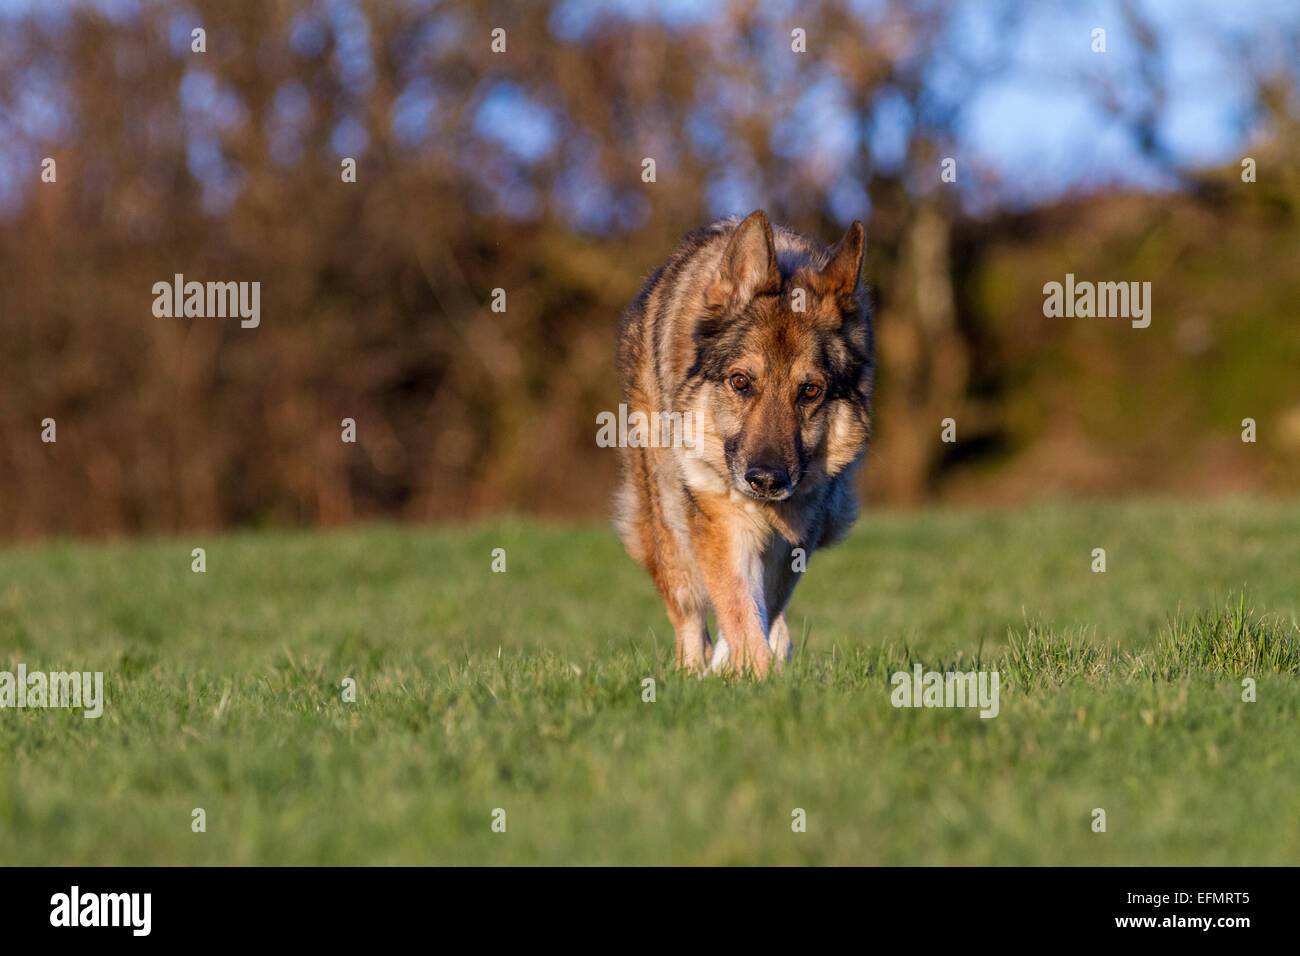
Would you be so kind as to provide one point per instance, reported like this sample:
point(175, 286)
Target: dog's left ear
point(839, 277)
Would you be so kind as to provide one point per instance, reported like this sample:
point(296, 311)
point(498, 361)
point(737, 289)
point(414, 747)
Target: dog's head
point(784, 361)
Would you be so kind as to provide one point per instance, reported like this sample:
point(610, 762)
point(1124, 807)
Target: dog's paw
point(721, 655)
point(779, 640)
point(723, 661)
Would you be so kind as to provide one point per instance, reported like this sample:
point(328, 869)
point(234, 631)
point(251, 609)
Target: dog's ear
point(748, 267)
point(839, 277)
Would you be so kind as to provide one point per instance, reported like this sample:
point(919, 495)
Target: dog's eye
point(740, 381)
point(810, 390)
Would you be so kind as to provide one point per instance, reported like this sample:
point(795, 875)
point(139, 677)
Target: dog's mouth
point(769, 498)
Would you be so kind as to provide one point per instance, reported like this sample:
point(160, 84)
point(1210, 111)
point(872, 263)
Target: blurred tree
point(475, 171)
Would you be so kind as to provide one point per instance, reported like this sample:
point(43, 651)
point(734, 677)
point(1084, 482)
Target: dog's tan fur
point(772, 469)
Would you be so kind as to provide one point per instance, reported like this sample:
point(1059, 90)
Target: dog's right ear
point(748, 267)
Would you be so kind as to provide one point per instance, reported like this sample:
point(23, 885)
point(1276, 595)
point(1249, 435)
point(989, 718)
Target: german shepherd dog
point(760, 339)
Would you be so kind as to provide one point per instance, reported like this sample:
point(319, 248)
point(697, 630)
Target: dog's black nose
point(767, 479)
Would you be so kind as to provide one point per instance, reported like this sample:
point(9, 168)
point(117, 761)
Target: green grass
point(523, 691)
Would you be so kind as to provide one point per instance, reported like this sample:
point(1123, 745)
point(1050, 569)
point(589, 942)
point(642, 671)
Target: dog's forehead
point(787, 339)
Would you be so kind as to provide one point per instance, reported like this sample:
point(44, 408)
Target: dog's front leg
point(732, 568)
point(781, 573)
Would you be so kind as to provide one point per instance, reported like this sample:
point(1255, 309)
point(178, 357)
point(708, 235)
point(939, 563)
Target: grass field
point(523, 691)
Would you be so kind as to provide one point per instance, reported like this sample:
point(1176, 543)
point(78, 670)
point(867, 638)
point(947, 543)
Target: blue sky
point(1038, 129)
